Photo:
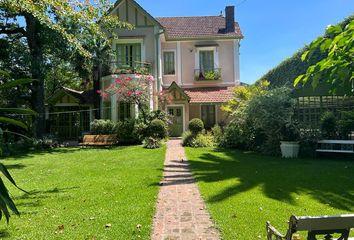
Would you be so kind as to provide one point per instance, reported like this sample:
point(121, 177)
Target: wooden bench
point(335, 146)
point(322, 225)
point(99, 140)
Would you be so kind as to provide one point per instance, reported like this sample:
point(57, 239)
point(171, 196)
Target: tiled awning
point(209, 95)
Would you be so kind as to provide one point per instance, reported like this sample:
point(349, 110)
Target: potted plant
point(289, 144)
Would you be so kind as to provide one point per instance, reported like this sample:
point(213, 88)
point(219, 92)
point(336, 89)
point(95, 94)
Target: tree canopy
point(337, 67)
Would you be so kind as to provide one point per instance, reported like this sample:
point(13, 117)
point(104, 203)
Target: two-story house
point(195, 59)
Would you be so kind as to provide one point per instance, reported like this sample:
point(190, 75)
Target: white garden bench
point(322, 225)
point(335, 146)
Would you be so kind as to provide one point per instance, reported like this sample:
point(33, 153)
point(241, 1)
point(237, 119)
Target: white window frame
point(216, 56)
point(163, 61)
point(132, 41)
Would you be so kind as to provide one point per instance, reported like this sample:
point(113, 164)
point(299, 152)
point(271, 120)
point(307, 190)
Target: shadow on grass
point(328, 181)
point(4, 234)
point(61, 150)
point(33, 198)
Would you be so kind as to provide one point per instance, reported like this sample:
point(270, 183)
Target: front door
point(176, 128)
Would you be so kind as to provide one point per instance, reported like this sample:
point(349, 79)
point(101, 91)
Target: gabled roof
point(174, 86)
point(179, 28)
point(118, 2)
point(83, 97)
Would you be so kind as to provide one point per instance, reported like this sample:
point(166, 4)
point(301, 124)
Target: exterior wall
point(168, 79)
point(195, 112)
point(187, 56)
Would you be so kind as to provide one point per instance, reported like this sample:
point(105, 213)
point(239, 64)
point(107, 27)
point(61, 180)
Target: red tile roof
point(209, 95)
point(197, 27)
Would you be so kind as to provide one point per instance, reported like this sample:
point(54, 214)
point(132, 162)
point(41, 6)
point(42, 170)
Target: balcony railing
point(133, 67)
point(207, 74)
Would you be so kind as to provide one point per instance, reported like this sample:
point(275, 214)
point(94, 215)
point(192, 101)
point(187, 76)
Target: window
point(169, 63)
point(106, 111)
point(128, 54)
point(124, 112)
point(206, 60)
point(208, 115)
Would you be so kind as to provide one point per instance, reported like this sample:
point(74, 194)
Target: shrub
point(158, 114)
point(290, 132)
point(308, 142)
point(197, 141)
point(187, 138)
point(125, 132)
point(196, 126)
point(218, 134)
point(269, 113)
point(346, 124)
point(328, 125)
point(103, 127)
point(140, 131)
point(157, 129)
point(152, 143)
point(231, 137)
point(203, 140)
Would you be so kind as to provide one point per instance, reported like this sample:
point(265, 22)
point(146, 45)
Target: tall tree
point(71, 20)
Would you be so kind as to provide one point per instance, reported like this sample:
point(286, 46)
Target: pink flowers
point(130, 89)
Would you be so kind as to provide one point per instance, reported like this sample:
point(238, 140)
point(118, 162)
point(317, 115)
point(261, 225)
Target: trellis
point(309, 109)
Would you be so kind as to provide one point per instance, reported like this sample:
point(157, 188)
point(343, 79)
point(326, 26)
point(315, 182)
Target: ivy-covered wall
point(288, 70)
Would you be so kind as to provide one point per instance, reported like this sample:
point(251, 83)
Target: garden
point(260, 165)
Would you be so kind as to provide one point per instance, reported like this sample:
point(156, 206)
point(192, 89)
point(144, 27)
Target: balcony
point(134, 67)
point(207, 75)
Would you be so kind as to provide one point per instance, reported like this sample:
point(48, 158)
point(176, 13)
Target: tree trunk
point(97, 72)
point(37, 71)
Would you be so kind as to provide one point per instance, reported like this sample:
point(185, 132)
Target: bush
point(346, 124)
point(197, 141)
point(231, 137)
point(196, 126)
point(152, 143)
point(290, 132)
point(203, 140)
point(308, 142)
point(140, 131)
point(126, 133)
point(328, 125)
point(157, 129)
point(187, 138)
point(269, 113)
point(103, 127)
point(158, 114)
point(218, 134)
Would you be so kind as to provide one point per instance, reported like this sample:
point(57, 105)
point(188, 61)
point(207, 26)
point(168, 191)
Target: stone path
point(181, 212)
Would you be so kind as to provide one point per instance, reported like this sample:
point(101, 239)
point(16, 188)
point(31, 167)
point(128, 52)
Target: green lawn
point(244, 190)
point(84, 190)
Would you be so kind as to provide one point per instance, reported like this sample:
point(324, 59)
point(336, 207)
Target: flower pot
point(289, 149)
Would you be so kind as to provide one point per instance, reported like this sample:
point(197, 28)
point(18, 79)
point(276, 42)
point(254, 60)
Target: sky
point(273, 30)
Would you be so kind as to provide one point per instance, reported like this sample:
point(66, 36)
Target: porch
point(204, 103)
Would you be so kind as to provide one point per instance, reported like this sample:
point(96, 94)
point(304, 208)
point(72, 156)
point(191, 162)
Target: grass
point(244, 190)
point(83, 190)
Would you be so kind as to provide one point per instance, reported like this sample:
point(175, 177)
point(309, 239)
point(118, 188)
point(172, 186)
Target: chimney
point(230, 19)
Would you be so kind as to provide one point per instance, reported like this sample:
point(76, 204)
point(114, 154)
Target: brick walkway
point(180, 213)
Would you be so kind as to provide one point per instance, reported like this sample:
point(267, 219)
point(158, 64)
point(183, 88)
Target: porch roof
point(209, 94)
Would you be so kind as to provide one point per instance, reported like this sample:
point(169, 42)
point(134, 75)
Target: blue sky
point(273, 29)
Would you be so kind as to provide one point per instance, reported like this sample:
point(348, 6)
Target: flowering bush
point(135, 90)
